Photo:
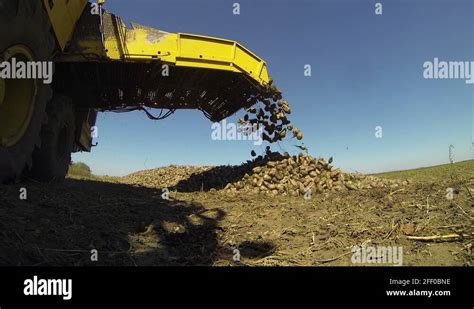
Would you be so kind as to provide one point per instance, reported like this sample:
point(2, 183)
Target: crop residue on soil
point(129, 222)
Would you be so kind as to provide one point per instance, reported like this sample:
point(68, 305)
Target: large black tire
point(25, 22)
point(51, 161)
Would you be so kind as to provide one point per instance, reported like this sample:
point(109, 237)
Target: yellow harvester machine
point(101, 65)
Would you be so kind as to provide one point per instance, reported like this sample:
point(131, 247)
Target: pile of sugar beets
point(271, 173)
point(301, 175)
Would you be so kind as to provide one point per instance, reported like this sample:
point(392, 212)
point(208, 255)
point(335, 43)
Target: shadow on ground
point(59, 225)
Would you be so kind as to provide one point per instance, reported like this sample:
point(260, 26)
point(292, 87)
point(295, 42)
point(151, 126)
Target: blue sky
point(367, 71)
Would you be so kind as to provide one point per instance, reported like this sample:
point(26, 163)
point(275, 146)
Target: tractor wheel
point(25, 34)
point(51, 161)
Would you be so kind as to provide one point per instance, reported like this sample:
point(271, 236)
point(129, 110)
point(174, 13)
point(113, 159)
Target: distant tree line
point(79, 169)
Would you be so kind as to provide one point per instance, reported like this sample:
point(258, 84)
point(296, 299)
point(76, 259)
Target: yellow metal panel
point(141, 43)
point(247, 61)
point(204, 64)
point(63, 15)
point(220, 54)
point(114, 36)
point(195, 47)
